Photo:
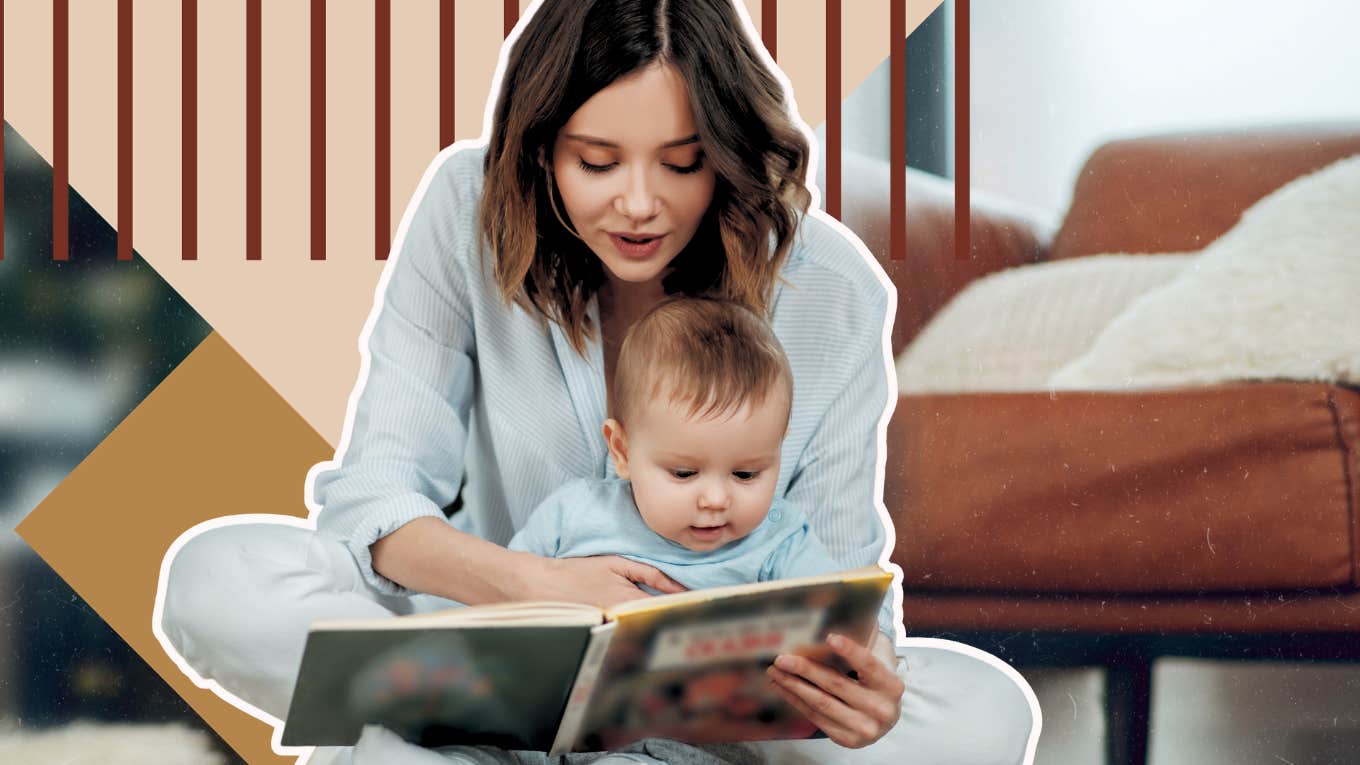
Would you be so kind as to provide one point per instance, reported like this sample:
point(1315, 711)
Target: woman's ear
point(617, 441)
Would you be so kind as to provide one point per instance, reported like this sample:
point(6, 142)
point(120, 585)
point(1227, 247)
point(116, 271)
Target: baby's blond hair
point(713, 355)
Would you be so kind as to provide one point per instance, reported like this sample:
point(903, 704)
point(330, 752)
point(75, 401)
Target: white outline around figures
point(304, 753)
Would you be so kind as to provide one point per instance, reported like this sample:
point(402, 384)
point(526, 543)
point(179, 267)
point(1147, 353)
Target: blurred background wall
point(1052, 79)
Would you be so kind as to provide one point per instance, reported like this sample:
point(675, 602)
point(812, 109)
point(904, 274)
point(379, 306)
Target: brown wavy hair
point(568, 52)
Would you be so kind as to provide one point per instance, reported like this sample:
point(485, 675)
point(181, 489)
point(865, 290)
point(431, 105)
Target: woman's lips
point(636, 249)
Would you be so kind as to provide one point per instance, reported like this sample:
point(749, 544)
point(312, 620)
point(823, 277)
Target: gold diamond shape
point(212, 439)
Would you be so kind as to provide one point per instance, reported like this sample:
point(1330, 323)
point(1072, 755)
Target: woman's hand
point(853, 713)
point(603, 580)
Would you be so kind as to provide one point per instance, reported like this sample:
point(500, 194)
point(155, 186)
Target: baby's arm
point(542, 533)
point(609, 579)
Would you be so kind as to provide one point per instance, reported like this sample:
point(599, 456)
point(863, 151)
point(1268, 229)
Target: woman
point(638, 149)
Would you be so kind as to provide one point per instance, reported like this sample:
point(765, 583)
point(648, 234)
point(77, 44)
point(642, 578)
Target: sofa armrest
point(1179, 192)
point(1241, 487)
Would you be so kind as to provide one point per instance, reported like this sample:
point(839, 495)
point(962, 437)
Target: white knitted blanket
point(1013, 329)
point(1277, 297)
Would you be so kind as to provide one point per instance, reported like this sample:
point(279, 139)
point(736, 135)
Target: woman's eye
point(695, 167)
point(683, 474)
point(745, 475)
point(589, 168)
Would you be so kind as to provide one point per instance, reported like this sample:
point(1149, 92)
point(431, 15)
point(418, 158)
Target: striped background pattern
point(209, 34)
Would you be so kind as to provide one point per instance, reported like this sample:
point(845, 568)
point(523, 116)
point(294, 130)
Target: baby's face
point(705, 481)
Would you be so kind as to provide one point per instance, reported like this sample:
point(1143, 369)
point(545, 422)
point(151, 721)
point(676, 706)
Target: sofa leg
point(1128, 706)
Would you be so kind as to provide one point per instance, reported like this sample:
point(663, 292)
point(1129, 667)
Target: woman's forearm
point(428, 555)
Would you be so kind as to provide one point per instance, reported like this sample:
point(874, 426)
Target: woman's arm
point(402, 458)
point(429, 555)
point(408, 432)
point(835, 317)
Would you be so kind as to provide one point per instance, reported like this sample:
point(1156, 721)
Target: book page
point(524, 614)
point(658, 602)
point(503, 686)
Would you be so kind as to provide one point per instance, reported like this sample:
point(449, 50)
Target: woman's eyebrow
point(593, 141)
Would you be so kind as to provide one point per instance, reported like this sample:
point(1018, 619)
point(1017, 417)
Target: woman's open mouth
point(640, 246)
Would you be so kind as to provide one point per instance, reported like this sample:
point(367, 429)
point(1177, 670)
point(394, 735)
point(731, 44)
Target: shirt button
point(775, 515)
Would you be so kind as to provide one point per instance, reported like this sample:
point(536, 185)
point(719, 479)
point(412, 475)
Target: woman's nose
point(638, 200)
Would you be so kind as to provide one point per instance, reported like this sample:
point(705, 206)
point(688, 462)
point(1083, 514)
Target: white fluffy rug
point(1277, 297)
point(88, 743)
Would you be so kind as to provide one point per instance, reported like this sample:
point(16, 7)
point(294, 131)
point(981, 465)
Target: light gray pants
point(239, 599)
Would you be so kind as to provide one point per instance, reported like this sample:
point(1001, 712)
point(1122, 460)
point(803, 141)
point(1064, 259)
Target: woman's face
point(632, 173)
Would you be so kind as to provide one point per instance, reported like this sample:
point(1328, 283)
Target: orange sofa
point(1110, 528)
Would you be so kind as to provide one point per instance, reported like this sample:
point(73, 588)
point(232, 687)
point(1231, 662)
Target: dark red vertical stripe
point(189, 130)
point(61, 74)
point(382, 129)
point(446, 75)
point(897, 132)
point(511, 15)
point(833, 108)
point(963, 246)
point(253, 130)
point(317, 212)
point(125, 129)
point(2, 142)
point(769, 26)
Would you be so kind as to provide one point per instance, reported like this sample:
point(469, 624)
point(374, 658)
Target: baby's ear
point(617, 441)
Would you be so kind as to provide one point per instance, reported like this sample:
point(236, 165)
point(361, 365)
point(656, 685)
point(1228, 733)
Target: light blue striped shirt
point(462, 386)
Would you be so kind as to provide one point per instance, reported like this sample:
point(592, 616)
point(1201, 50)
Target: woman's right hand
point(603, 580)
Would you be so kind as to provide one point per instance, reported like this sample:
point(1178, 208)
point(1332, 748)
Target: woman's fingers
point(641, 573)
point(871, 670)
point(851, 694)
point(837, 720)
point(782, 684)
point(853, 712)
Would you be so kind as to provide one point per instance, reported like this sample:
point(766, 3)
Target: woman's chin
point(635, 273)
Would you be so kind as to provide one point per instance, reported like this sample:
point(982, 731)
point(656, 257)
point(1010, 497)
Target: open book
point(563, 677)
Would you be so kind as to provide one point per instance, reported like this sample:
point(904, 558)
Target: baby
point(701, 402)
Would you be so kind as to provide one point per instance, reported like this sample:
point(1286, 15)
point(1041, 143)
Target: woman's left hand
point(852, 712)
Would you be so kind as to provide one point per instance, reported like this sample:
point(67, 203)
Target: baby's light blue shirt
point(599, 517)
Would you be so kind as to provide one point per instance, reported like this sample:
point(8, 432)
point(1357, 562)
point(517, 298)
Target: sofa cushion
point(1173, 193)
point(1243, 487)
point(1277, 297)
point(1013, 329)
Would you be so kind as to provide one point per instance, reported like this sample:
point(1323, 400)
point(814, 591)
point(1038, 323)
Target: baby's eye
point(682, 474)
point(746, 475)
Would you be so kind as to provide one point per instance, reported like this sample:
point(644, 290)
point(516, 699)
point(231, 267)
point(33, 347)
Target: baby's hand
point(603, 581)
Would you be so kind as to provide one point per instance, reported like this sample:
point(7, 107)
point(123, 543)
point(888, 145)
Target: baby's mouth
point(707, 532)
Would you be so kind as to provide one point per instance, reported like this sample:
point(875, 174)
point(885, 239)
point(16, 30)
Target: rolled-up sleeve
point(405, 443)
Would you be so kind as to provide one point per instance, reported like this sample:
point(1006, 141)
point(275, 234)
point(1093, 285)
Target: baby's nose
point(714, 497)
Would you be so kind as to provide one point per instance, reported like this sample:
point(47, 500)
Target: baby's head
point(702, 393)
